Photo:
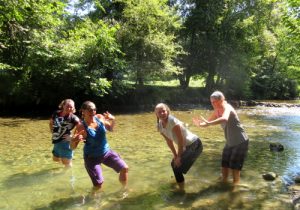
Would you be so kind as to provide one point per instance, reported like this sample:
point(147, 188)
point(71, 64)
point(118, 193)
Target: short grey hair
point(217, 95)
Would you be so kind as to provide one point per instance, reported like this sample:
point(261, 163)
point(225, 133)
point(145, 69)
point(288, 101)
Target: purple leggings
point(94, 169)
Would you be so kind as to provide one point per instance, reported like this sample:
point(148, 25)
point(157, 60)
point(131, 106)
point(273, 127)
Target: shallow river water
point(29, 179)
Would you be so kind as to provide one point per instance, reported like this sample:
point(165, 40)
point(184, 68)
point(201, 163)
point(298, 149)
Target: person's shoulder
point(173, 119)
point(75, 118)
point(99, 116)
point(229, 106)
point(56, 113)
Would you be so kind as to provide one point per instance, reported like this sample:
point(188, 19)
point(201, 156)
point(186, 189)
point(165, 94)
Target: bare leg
point(96, 190)
point(123, 177)
point(225, 173)
point(56, 159)
point(181, 186)
point(67, 162)
point(236, 176)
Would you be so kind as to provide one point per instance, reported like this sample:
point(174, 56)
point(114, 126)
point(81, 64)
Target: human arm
point(108, 120)
point(171, 146)
point(202, 122)
point(180, 144)
point(51, 125)
point(215, 119)
point(79, 135)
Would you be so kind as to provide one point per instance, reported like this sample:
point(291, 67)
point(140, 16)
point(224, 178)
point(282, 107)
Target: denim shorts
point(62, 150)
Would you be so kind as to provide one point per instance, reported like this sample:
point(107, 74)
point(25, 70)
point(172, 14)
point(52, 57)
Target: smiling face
point(216, 103)
point(216, 99)
point(162, 111)
point(68, 106)
point(88, 109)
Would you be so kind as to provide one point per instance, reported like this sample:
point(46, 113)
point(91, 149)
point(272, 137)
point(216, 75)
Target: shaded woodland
point(110, 51)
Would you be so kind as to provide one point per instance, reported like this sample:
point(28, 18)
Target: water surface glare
point(29, 179)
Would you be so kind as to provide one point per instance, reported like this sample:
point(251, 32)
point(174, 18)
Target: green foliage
point(274, 85)
point(147, 38)
point(230, 40)
point(22, 23)
point(242, 47)
point(88, 57)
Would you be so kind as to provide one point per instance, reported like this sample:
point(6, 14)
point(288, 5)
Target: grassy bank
point(146, 97)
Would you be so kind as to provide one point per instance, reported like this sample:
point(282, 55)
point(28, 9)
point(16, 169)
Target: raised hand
point(108, 116)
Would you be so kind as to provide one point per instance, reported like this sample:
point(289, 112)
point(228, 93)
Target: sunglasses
point(91, 109)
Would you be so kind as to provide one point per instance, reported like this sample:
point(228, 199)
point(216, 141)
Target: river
point(31, 180)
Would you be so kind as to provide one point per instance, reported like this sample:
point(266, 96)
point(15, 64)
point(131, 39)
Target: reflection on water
point(30, 180)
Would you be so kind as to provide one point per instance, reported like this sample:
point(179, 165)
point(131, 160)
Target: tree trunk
point(184, 80)
point(139, 78)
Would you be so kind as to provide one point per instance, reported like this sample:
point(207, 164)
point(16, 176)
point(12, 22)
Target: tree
point(147, 38)
point(23, 25)
point(277, 71)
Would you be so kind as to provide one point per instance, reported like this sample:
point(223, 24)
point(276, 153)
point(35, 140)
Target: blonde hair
point(159, 106)
point(162, 105)
point(66, 101)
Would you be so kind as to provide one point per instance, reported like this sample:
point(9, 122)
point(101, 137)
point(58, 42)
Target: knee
point(173, 164)
point(124, 170)
point(123, 176)
point(56, 159)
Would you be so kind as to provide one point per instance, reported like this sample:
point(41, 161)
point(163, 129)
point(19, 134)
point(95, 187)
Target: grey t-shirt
point(234, 131)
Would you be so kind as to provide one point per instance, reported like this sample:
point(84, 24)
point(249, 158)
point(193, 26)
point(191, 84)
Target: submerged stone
point(270, 176)
point(276, 147)
point(297, 179)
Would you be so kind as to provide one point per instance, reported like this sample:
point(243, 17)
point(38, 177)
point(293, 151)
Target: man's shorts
point(234, 157)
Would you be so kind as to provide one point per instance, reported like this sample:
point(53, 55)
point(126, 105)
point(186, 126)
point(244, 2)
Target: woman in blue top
point(96, 149)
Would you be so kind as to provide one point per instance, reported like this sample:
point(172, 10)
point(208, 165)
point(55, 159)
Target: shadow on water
point(216, 196)
point(63, 203)
point(28, 179)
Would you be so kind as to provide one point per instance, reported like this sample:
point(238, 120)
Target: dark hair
point(85, 105)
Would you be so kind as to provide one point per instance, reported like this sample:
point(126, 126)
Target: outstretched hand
point(200, 122)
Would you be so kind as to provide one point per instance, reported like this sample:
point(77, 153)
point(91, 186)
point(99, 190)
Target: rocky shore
point(240, 103)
